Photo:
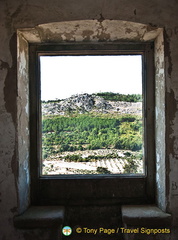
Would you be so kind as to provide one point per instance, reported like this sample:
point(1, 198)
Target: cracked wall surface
point(42, 17)
point(160, 121)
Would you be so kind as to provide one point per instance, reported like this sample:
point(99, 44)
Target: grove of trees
point(110, 96)
point(89, 131)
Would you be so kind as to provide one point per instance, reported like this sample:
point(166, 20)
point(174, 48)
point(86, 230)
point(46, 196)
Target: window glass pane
point(92, 119)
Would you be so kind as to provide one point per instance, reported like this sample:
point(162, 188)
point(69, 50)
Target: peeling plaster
point(87, 34)
point(172, 117)
point(168, 61)
point(10, 104)
point(10, 93)
point(160, 117)
point(23, 66)
point(23, 123)
point(8, 193)
point(90, 30)
point(6, 144)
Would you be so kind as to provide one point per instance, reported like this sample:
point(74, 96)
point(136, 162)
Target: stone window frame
point(86, 31)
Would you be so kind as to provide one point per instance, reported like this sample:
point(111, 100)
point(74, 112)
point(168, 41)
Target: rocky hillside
point(82, 103)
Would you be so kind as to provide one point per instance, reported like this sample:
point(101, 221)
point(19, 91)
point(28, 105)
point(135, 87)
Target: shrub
point(102, 170)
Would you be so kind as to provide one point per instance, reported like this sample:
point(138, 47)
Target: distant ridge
point(83, 103)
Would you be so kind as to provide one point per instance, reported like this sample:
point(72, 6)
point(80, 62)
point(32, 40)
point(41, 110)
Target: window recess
point(52, 120)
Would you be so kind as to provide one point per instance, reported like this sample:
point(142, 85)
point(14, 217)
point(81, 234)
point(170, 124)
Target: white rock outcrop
point(83, 103)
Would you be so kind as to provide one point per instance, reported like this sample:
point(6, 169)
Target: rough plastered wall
point(160, 126)
point(29, 14)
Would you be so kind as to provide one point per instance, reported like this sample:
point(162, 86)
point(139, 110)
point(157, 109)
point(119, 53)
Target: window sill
point(145, 216)
point(40, 217)
point(132, 216)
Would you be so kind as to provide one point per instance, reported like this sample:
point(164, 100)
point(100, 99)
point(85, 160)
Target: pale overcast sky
point(63, 76)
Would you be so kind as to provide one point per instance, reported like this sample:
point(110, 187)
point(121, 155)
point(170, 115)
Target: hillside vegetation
point(110, 96)
point(85, 131)
point(66, 136)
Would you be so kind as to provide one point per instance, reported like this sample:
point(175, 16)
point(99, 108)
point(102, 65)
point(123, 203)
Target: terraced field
point(119, 165)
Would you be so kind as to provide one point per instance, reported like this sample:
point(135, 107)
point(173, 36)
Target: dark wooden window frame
point(92, 189)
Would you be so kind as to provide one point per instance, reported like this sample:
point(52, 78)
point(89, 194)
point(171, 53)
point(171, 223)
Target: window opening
point(91, 115)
